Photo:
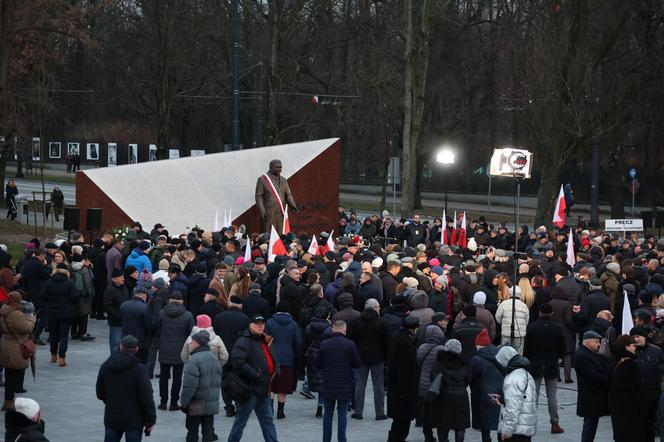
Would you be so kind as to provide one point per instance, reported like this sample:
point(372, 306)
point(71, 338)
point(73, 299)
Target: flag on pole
point(276, 247)
point(225, 224)
point(329, 244)
point(313, 247)
point(443, 231)
point(627, 321)
point(571, 258)
point(216, 226)
point(286, 227)
point(453, 241)
point(247, 251)
point(230, 217)
point(463, 237)
point(559, 211)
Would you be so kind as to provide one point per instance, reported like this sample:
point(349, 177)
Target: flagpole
point(516, 254)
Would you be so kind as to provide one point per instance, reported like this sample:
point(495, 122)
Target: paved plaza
point(73, 413)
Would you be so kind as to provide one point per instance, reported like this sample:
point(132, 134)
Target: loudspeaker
point(72, 218)
point(94, 219)
point(659, 220)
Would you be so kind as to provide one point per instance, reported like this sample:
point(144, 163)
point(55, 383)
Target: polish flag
point(443, 232)
point(247, 251)
point(313, 247)
point(453, 241)
point(286, 227)
point(225, 221)
point(276, 247)
point(216, 227)
point(627, 321)
point(463, 237)
point(571, 258)
point(329, 245)
point(559, 211)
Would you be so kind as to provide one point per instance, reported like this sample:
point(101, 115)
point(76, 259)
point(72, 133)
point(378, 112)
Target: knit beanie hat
point(163, 264)
point(483, 338)
point(203, 321)
point(479, 298)
point(452, 346)
point(27, 407)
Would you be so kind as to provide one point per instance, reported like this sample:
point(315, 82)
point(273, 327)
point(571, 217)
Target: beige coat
point(216, 346)
point(16, 329)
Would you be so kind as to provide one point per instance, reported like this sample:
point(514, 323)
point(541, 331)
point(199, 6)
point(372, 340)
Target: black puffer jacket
point(370, 335)
point(125, 388)
point(174, 327)
point(21, 429)
point(250, 362)
point(114, 296)
point(60, 296)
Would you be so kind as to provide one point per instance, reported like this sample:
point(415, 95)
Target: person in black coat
point(210, 305)
point(21, 425)
point(61, 298)
point(34, 273)
point(115, 294)
point(486, 377)
point(255, 304)
point(592, 376)
point(402, 379)
point(229, 325)
point(138, 321)
point(97, 256)
point(626, 398)
point(337, 358)
point(124, 387)
point(592, 304)
point(450, 410)
point(467, 331)
point(544, 346)
point(394, 314)
point(650, 361)
point(198, 285)
point(370, 334)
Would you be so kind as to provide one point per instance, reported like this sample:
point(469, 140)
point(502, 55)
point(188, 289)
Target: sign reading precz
point(621, 225)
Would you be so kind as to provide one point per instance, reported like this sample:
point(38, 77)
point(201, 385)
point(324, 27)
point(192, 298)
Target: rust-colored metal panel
point(315, 188)
point(89, 195)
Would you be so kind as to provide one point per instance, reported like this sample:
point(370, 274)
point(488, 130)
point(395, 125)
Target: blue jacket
point(337, 357)
point(180, 284)
point(140, 260)
point(136, 320)
point(485, 378)
point(287, 339)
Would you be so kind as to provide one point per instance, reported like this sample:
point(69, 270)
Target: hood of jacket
point(210, 331)
point(282, 318)
point(517, 362)
point(434, 335)
point(419, 300)
point(76, 265)
point(369, 314)
point(120, 362)
point(174, 309)
point(136, 253)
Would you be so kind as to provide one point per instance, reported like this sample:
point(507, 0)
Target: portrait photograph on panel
point(112, 154)
point(36, 149)
point(54, 149)
point(197, 152)
point(173, 153)
point(152, 152)
point(133, 153)
point(92, 151)
point(73, 149)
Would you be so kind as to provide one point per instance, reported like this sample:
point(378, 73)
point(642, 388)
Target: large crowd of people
point(428, 317)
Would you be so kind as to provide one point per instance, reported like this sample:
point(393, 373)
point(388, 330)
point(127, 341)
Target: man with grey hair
point(370, 335)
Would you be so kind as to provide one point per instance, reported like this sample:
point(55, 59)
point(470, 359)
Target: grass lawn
point(15, 235)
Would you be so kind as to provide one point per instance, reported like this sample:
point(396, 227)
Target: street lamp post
point(446, 156)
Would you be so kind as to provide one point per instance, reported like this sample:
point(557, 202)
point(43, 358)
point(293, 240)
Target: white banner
point(620, 225)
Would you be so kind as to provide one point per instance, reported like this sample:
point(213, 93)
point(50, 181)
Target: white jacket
point(504, 318)
point(216, 346)
point(518, 415)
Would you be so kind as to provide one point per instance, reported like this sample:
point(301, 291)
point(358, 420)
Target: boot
point(555, 428)
point(61, 361)
point(7, 405)
point(54, 358)
point(280, 410)
point(319, 412)
point(230, 411)
point(174, 407)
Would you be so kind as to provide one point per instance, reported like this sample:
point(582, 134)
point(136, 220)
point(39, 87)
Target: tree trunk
point(417, 60)
point(5, 42)
point(546, 194)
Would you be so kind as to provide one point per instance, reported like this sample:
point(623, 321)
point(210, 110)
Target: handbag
point(237, 387)
point(197, 407)
point(605, 346)
point(434, 389)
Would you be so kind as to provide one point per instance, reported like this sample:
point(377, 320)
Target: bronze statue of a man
point(272, 197)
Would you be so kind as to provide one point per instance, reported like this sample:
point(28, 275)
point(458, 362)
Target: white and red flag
point(463, 236)
point(313, 247)
point(276, 247)
point(559, 211)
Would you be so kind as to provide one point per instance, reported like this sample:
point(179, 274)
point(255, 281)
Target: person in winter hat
point(522, 317)
point(518, 405)
point(203, 322)
point(24, 423)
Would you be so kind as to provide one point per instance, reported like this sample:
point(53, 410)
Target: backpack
point(457, 300)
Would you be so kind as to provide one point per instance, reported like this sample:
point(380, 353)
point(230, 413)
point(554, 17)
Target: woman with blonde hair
point(527, 292)
point(58, 257)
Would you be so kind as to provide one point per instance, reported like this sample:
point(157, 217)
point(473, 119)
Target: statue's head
point(275, 167)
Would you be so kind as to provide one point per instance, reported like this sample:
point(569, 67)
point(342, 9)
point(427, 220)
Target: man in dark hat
point(137, 321)
point(124, 387)
point(201, 382)
point(116, 293)
point(211, 306)
point(402, 381)
point(650, 360)
point(255, 363)
point(593, 381)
